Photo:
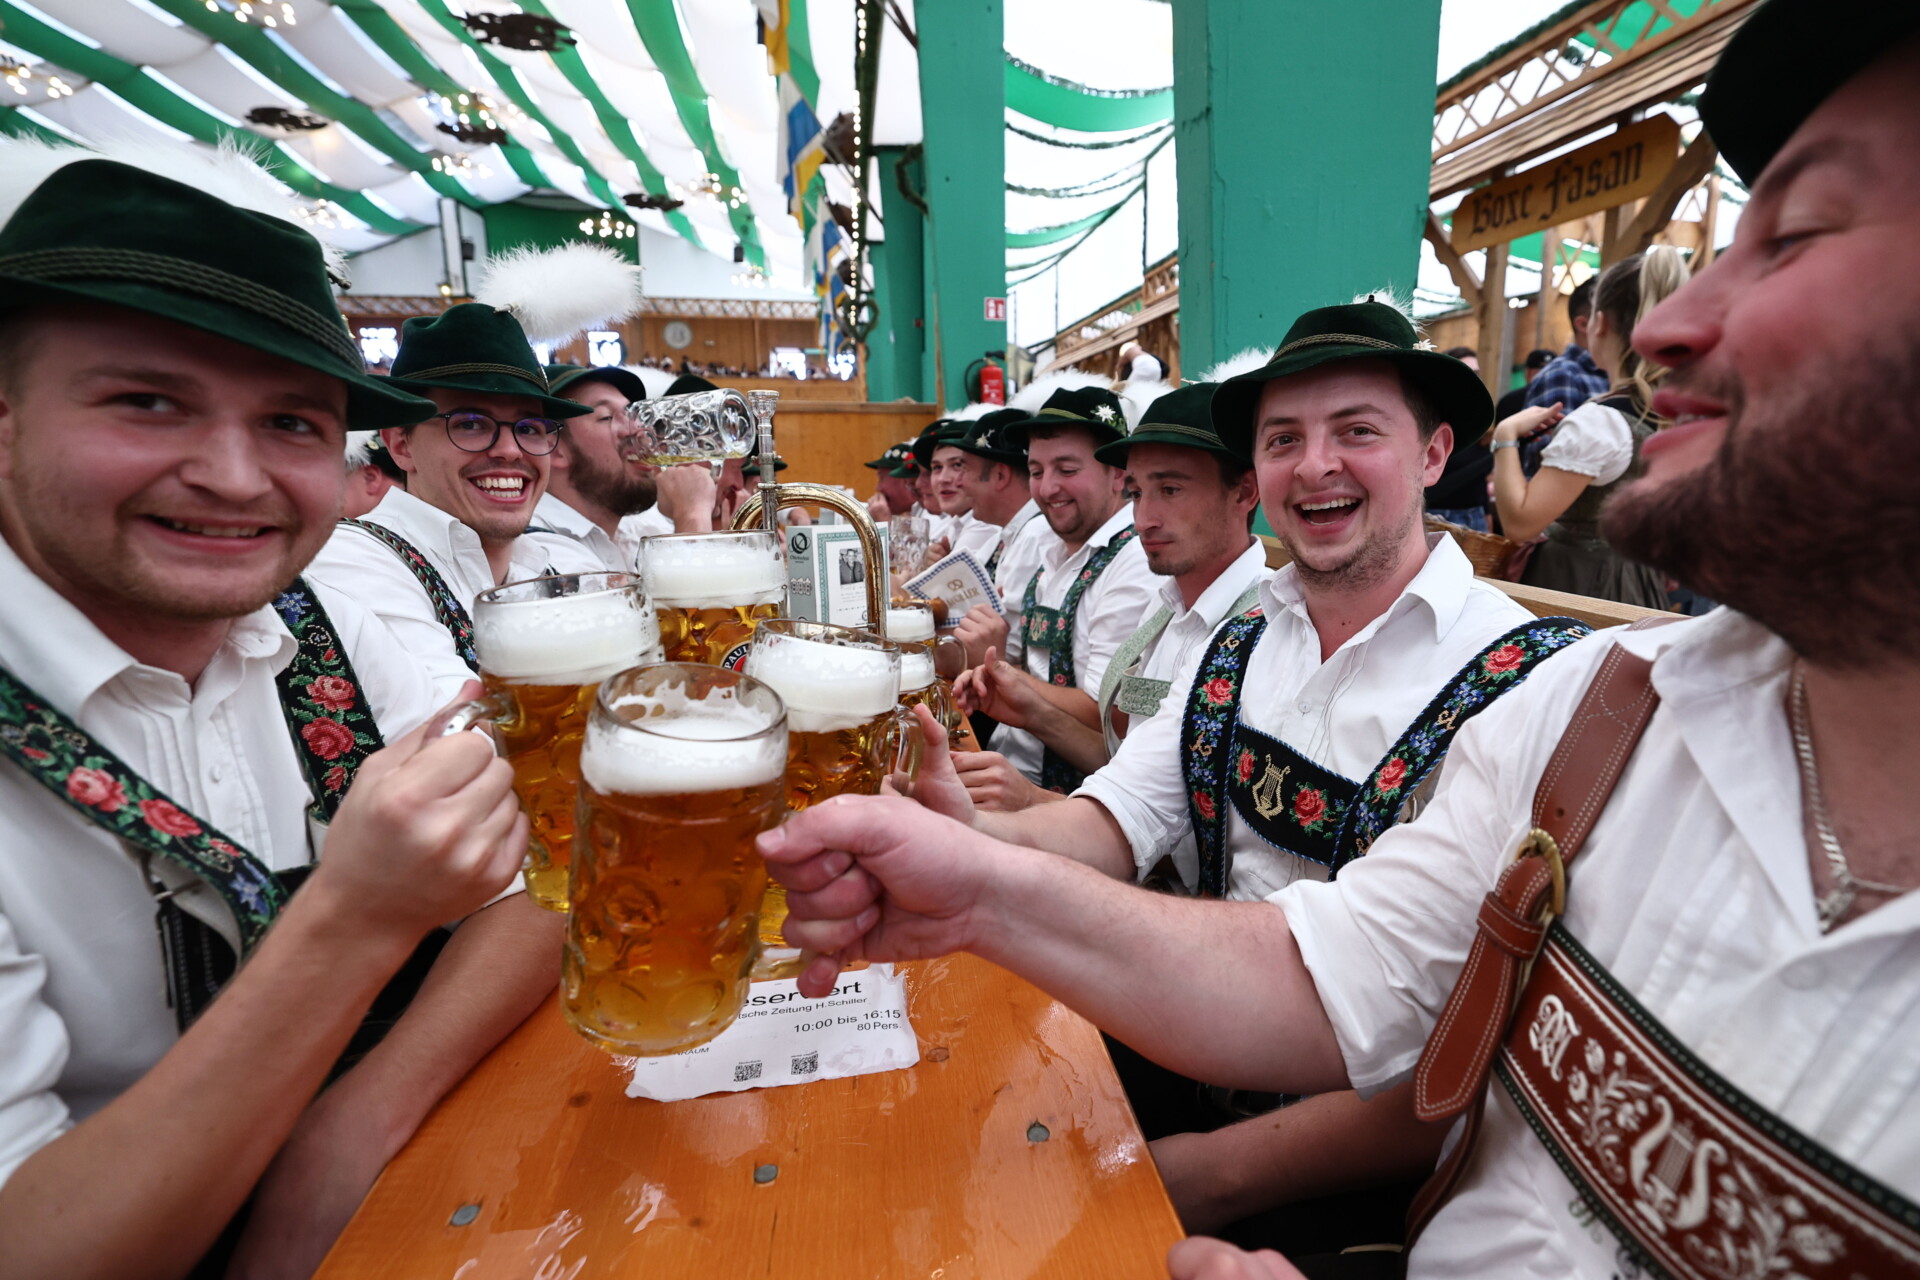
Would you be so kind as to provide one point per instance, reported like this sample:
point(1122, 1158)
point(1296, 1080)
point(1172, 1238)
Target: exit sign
point(997, 309)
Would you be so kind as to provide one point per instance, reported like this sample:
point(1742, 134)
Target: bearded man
point(1700, 1072)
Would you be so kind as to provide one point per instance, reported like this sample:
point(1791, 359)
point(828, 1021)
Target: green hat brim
point(1115, 454)
point(1459, 397)
point(372, 402)
point(495, 384)
point(1011, 458)
point(1020, 433)
point(627, 384)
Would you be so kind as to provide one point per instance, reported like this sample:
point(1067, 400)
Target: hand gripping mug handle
point(462, 716)
point(900, 747)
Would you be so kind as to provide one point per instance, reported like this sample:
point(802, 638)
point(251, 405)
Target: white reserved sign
point(782, 1037)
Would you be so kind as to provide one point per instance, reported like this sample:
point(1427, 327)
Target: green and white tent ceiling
point(656, 96)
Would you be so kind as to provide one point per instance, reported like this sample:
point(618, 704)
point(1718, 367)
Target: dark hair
point(1580, 301)
point(1461, 353)
point(378, 456)
point(1426, 414)
point(1539, 358)
point(1232, 472)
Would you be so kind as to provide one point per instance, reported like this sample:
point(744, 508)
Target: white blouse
point(1593, 441)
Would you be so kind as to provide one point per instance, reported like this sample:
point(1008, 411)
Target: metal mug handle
point(462, 716)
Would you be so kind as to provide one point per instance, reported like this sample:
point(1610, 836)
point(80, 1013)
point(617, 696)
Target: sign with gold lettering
point(1625, 165)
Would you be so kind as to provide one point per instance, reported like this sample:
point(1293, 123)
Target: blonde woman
point(1595, 449)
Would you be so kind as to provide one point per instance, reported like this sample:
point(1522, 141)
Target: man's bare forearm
point(1214, 990)
point(142, 1188)
point(1076, 828)
point(1083, 748)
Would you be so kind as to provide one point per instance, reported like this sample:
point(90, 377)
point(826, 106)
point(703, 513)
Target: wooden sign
point(1624, 165)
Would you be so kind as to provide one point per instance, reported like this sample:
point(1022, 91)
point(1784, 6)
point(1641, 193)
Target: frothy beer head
point(565, 629)
point(715, 570)
point(909, 622)
point(831, 678)
point(916, 670)
point(680, 728)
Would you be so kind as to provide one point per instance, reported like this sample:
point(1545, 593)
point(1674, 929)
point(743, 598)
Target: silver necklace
point(1846, 886)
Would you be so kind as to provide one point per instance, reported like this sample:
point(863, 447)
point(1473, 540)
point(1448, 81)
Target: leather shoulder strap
point(1514, 919)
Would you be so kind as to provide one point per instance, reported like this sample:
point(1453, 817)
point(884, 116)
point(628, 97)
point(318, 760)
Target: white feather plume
point(1235, 365)
point(1401, 302)
point(1136, 394)
point(969, 412)
point(1034, 395)
point(229, 172)
point(656, 381)
point(556, 293)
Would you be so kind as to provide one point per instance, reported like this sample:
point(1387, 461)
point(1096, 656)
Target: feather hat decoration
point(556, 293)
point(1137, 393)
point(1389, 297)
point(656, 381)
point(229, 172)
point(1244, 362)
point(1033, 396)
point(968, 413)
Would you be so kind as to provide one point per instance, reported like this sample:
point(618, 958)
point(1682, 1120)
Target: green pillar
point(896, 349)
point(962, 107)
point(1304, 133)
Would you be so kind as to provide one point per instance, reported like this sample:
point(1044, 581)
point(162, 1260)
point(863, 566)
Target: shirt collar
point(1220, 594)
point(556, 513)
point(423, 524)
point(1441, 586)
point(1582, 357)
point(1058, 555)
point(48, 644)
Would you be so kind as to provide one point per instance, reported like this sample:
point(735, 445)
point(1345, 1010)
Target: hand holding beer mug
point(911, 626)
point(682, 769)
point(712, 589)
point(545, 645)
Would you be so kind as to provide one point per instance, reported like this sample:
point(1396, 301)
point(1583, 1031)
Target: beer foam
point(827, 687)
point(700, 746)
point(909, 624)
point(714, 573)
point(578, 639)
point(916, 670)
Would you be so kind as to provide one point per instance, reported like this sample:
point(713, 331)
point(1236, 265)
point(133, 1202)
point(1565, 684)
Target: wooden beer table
point(1007, 1152)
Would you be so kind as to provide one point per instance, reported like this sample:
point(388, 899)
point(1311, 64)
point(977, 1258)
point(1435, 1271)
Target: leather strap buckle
point(1540, 844)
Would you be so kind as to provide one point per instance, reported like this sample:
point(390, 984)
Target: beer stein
point(712, 589)
point(924, 654)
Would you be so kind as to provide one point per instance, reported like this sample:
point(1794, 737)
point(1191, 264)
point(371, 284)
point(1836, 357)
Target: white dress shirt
point(1111, 607)
point(1693, 889)
point(354, 565)
point(645, 524)
point(1184, 639)
point(976, 537)
point(1022, 541)
point(556, 520)
point(1343, 714)
point(83, 1008)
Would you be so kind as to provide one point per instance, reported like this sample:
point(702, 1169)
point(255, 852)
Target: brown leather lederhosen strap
point(1452, 1076)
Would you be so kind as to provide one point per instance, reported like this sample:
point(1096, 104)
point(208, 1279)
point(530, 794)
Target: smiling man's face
point(154, 470)
point(1788, 484)
point(493, 493)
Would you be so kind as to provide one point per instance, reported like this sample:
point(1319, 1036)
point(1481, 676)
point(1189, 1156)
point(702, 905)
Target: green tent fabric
point(1067, 105)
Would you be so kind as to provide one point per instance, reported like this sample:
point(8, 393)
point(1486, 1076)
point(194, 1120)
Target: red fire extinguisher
point(987, 380)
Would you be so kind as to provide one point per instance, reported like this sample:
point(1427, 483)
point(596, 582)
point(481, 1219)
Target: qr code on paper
point(806, 1064)
point(744, 1071)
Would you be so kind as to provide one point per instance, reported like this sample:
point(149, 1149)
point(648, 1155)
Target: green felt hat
point(474, 347)
point(562, 376)
point(688, 384)
point(892, 458)
point(1183, 417)
point(1356, 331)
point(1785, 60)
point(1095, 408)
point(938, 432)
point(104, 232)
point(909, 468)
point(986, 437)
point(753, 467)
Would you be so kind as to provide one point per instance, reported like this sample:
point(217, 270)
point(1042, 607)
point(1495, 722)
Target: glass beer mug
point(545, 645)
point(705, 426)
point(712, 589)
point(683, 767)
point(923, 652)
point(846, 731)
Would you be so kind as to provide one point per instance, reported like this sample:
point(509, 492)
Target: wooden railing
point(1112, 325)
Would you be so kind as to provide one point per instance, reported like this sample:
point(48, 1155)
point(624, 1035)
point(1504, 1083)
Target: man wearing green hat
point(1090, 591)
point(183, 723)
point(997, 485)
point(596, 495)
point(892, 495)
point(476, 471)
point(951, 468)
point(1697, 1077)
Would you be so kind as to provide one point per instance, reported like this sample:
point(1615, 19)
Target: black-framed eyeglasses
point(475, 432)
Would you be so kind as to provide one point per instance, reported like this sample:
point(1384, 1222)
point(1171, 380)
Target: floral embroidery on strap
point(1053, 630)
point(446, 606)
point(333, 728)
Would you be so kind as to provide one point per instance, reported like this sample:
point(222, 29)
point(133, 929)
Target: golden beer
point(544, 646)
point(711, 590)
point(682, 769)
point(845, 732)
point(911, 626)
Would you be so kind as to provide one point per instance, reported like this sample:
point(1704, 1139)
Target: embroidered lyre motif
point(1266, 792)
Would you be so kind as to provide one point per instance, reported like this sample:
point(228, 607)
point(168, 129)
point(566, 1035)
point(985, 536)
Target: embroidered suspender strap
point(1693, 1177)
point(446, 606)
point(1496, 670)
point(1206, 736)
point(333, 728)
point(1053, 630)
point(97, 784)
point(1452, 1075)
point(1006, 539)
point(1130, 650)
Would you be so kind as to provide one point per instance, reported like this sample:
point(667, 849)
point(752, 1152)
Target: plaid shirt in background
point(1572, 378)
